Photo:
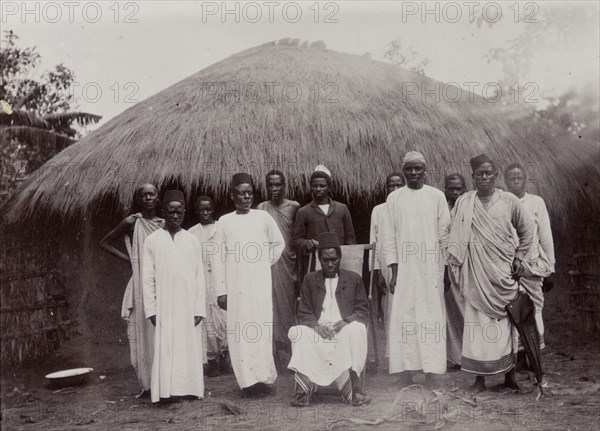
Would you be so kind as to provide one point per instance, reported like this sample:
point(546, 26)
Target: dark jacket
point(311, 222)
point(350, 296)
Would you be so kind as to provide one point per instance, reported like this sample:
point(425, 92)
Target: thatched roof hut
point(291, 106)
point(281, 105)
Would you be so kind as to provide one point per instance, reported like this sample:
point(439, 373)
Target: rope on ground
point(401, 410)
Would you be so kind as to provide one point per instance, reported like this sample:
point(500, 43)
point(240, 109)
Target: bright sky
point(143, 47)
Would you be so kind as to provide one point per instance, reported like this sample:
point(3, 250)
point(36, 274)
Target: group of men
point(445, 264)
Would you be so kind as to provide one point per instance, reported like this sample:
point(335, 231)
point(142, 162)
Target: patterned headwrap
point(323, 168)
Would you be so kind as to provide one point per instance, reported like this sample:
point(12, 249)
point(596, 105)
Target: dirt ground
point(108, 402)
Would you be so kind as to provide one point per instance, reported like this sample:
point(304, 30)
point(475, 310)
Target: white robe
point(413, 237)
point(253, 243)
point(215, 325)
point(325, 361)
point(173, 283)
point(379, 217)
point(539, 262)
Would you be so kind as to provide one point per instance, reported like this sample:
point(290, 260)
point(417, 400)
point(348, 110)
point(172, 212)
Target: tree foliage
point(555, 27)
point(405, 56)
point(563, 26)
point(37, 119)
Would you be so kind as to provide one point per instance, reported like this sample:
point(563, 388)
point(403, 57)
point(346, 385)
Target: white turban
point(413, 156)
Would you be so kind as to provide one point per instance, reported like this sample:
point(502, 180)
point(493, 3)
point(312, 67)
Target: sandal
point(360, 399)
point(300, 400)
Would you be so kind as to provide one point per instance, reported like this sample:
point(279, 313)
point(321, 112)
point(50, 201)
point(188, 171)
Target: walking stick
point(371, 323)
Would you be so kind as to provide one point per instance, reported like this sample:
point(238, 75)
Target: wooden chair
point(353, 259)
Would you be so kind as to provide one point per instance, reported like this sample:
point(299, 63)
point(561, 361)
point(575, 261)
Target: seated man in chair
point(330, 342)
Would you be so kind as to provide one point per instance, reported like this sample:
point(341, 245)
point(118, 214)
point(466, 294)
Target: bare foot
point(143, 394)
point(404, 380)
point(510, 381)
point(521, 365)
point(451, 367)
point(264, 389)
point(478, 386)
point(429, 381)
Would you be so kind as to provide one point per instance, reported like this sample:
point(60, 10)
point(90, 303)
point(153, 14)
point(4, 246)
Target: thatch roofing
point(188, 134)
